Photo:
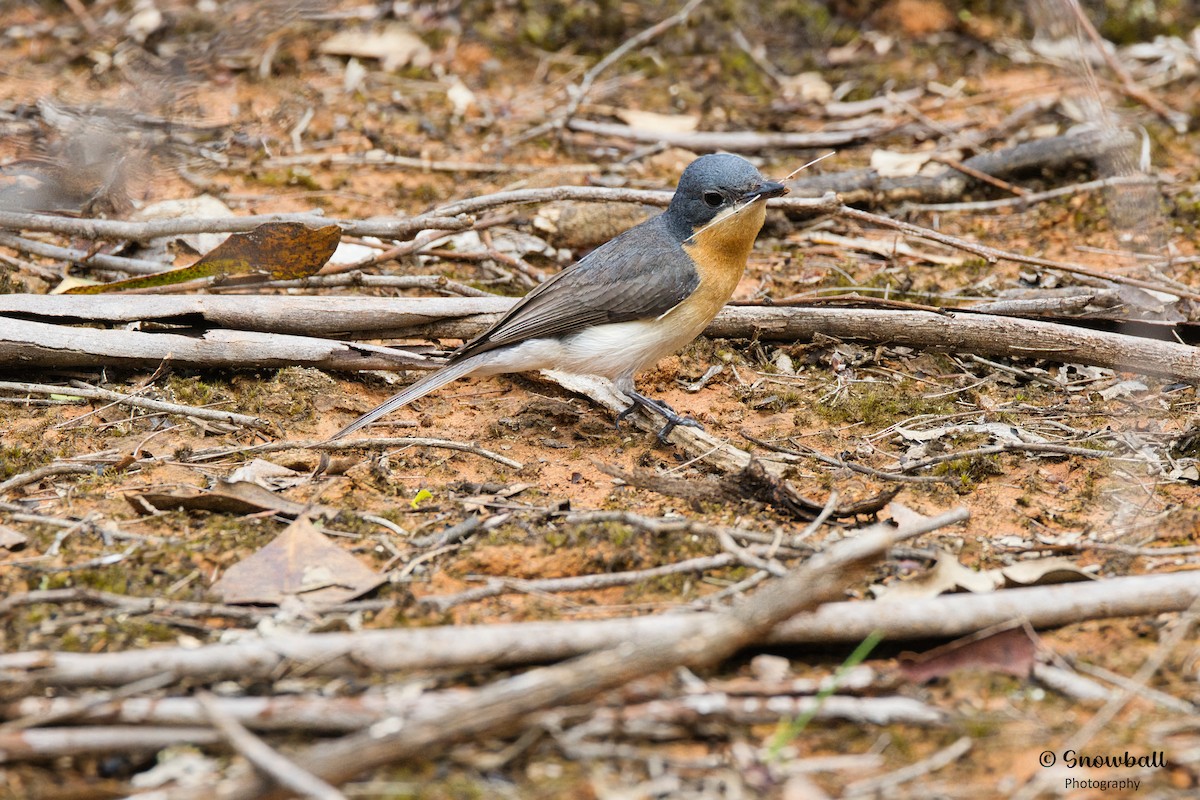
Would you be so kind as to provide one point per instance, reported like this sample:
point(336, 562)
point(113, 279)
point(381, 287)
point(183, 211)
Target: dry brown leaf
point(948, 575)
point(1043, 571)
point(277, 250)
point(300, 562)
point(1010, 651)
point(267, 474)
point(227, 497)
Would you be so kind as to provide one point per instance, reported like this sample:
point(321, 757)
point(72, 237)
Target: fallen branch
point(435, 283)
point(376, 159)
point(83, 258)
point(983, 334)
point(378, 650)
point(50, 470)
point(378, 317)
point(320, 714)
point(23, 342)
point(127, 604)
point(45, 743)
point(1031, 198)
point(461, 318)
point(669, 717)
point(383, 227)
point(588, 194)
point(512, 644)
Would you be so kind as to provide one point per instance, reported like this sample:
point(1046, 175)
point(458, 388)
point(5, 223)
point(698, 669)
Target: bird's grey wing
point(638, 275)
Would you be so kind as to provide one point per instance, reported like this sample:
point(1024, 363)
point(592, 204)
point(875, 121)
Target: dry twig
point(285, 773)
point(158, 406)
point(873, 787)
point(153, 229)
point(323, 445)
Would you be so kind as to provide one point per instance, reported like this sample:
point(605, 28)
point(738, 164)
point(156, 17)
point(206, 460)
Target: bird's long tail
point(419, 389)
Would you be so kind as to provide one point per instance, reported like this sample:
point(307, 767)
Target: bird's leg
point(659, 407)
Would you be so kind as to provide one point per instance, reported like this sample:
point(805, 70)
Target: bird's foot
point(674, 419)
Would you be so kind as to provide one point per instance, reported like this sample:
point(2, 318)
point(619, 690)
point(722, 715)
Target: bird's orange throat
point(724, 244)
point(720, 249)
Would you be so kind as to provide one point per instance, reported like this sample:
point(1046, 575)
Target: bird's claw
point(674, 420)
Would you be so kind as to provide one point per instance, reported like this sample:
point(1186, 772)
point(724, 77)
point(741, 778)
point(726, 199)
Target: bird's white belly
point(613, 351)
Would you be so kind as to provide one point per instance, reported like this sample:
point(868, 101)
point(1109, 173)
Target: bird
point(640, 296)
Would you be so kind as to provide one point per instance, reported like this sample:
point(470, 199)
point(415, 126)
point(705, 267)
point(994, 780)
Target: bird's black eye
point(713, 199)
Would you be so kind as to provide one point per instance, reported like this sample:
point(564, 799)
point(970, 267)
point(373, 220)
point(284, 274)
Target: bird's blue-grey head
point(713, 184)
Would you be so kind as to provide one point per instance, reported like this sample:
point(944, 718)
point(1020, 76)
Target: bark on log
point(35, 346)
point(460, 318)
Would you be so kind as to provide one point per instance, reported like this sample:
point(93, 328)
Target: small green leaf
point(421, 497)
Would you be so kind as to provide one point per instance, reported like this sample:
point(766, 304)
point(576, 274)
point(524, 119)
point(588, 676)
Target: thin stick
point(71, 710)
point(131, 605)
point(436, 283)
point(45, 743)
point(1049, 448)
point(35, 475)
point(980, 175)
point(1032, 198)
point(499, 586)
point(352, 444)
point(154, 229)
point(158, 406)
point(993, 254)
point(378, 159)
point(83, 258)
point(747, 558)
point(284, 772)
point(875, 787)
point(733, 140)
point(588, 194)
point(862, 469)
point(1175, 119)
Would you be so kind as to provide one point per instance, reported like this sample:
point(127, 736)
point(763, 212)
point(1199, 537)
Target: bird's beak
point(764, 190)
